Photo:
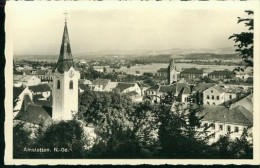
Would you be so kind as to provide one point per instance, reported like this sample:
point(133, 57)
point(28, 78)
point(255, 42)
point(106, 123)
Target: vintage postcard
point(132, 82)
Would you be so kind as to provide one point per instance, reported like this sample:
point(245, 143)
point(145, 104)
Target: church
point(64, 103)
point(65, 82)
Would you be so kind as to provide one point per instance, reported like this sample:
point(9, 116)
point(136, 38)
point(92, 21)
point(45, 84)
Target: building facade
point(65, 82)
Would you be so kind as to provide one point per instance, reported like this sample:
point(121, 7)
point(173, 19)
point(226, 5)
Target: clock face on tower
point(71, 73)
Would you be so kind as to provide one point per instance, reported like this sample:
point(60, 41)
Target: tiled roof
point(218, 88)
point(224, 72)
point(246, 102)
point(40, 88)
point(192, 70)
point(181, 88)
point(238, 115)
point(123, 86)
point(44, 103)
point(203, 86)
point(100, 82)
point(34, 114)
point(17, 91)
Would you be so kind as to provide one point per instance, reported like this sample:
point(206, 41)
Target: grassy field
point(154, 67)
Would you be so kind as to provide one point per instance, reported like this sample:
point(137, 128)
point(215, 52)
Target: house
point(214, 95)
point(243, 75)
point(232, 94)
point(26, 80)
point(143, 87)
point(134, 96)
point(198, 92)
point(102, 85)
point(222, 120)
point(18, 97)
point(181, 92)
point(162, 72)
point(34, 114)
point(191, 73)
point(125, 87)
point(41, 92)
point(221, 75)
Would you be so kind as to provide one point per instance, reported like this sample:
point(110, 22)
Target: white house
point(214, 95)
point(102, 85)
point(221, 121)
point(124, 87)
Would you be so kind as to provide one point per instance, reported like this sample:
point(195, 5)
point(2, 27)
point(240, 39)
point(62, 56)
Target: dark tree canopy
point(245, 41)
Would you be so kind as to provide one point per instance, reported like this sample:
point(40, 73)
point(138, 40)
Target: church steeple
point(65, 61)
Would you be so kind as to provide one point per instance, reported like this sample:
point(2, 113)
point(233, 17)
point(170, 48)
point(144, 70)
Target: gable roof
point(216, 87)
point(34, 114)
point(17, 91)
point(203, 86)
point(40, 88)
point(181, 88)
point(122, 86)
point(238, 115)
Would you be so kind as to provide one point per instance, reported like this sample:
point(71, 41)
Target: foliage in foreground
point(127, 130)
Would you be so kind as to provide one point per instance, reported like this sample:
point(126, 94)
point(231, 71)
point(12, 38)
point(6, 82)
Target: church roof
point(17, 91)
point(65, 61)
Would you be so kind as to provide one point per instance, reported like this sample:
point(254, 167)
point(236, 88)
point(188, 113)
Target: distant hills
point(177, 53)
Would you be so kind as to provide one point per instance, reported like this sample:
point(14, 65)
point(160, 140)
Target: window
point(207, 103)
point(228, 129)
point(71, 84)
point(236, 129)
point(211, 91)
point(207, 96)
point(212, 97)
point(217, 97)
point(221, 127)
point(213, 126)
point(58, 84)
point(230, 96)
point(214, 103)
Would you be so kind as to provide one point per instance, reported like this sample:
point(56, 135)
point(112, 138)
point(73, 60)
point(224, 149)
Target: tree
point(21, 140)
point(244, 41)
point(178, 136)
point(63, 135)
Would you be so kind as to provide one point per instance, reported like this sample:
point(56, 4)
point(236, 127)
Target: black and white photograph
point(144, 82)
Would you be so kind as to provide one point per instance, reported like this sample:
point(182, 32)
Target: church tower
point(65, 82)
point(172, 73)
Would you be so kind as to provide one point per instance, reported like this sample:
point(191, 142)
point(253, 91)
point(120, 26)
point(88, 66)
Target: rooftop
point(238, 115)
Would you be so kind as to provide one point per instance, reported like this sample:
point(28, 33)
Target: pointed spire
point(65, 61)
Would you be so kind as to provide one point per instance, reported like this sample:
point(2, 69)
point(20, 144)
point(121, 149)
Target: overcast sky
point(39, 31)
